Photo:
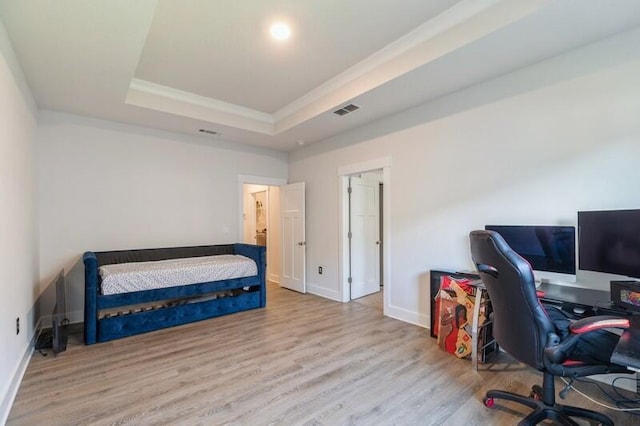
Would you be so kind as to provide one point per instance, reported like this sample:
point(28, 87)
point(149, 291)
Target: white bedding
point(136, 276)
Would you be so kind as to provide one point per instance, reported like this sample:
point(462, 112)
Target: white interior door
point(293, 237)
point(365, 237)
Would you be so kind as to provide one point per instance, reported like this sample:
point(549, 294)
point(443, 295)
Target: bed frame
point(108, 317)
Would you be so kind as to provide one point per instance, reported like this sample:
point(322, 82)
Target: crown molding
point(155, 96)
point(435, 26)
point(456, 27)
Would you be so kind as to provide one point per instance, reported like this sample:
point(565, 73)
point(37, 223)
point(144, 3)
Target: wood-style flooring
point(303, 360)
point(373, 300)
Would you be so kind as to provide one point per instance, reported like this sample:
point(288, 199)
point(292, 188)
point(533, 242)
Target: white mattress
point(136, 276)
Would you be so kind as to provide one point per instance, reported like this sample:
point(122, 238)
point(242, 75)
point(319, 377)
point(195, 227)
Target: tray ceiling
point(210, 64)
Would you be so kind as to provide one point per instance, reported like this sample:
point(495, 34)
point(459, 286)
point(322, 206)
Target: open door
point(293, 237)
point(364, 234)
point(256, 232)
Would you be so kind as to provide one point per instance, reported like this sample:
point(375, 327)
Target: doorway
point(363, 233)
point(260, 218)
point(365, 209)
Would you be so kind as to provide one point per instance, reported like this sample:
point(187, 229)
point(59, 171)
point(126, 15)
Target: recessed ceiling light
point(280, 31)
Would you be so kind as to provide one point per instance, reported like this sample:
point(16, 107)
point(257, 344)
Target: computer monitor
point(609, 242)
point(546, 248)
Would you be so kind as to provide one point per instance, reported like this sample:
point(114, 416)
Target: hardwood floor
point(302, 360)
point(373, 300)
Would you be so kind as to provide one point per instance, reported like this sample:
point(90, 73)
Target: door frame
point(255, 180)
point(343, 204)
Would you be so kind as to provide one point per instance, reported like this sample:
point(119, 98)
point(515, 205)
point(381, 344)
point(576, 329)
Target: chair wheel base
point(541, 411)
point(536, 393)
point(489, 402)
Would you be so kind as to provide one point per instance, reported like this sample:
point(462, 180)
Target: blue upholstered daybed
point(111, 316)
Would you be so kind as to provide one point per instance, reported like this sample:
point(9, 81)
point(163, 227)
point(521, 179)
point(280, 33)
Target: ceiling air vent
point(210, 132)
point(346, 109)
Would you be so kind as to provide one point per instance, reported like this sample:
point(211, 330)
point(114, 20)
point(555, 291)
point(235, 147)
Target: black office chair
point(522, 327)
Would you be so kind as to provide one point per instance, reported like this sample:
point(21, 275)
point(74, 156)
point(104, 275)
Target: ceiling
point(189, 65)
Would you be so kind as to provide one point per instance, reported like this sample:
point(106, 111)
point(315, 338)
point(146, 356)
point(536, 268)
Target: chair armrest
point(558, 352)
point(588, 324)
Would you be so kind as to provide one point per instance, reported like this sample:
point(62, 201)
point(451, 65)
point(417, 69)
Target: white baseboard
point(275, 278)
point(21, 368)
point(43, 322)
point(414, 318)
point(73, 317)
point(392, 311)
point(323, 292)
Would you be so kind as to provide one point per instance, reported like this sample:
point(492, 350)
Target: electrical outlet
point(320, 270)
point(18, 325)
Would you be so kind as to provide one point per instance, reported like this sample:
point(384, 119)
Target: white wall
point(107, 186)
point(531, 147)
point(18, 225)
